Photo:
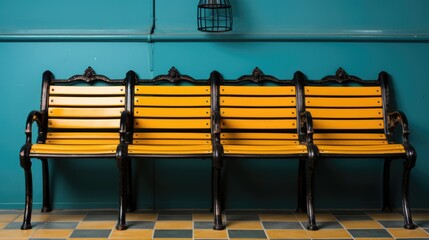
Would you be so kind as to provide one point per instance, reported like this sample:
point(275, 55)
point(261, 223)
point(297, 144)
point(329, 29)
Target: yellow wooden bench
point(171, 118)
point(259, 118)
point(77, 119)
point(352, 119)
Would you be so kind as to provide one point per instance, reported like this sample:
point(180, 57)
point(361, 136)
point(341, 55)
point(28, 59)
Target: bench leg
point(217, 210)
point(122, 162)
point(405, 195)
point(310, 202)
point(26, 165)
point(130, 203)
point(301, 187)
point(47, 207)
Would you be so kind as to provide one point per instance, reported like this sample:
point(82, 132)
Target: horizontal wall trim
point(142, 36)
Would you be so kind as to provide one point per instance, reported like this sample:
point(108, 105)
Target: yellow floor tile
point(208, 233)
point(420, 216)
point(329, 233)
point(15, 234)
point(3, 224)
point(272, 234)
point(142, 216)
point(66, 218)
point(132, 233)
point(242, 225)
point(173, 225)
point(364, 224)
point(96, 225)
point(202, 217)
point(8, 217)
point(404, 233)
point(278, 217)
point(52, 233)
point(386, 216)
point(325, 217)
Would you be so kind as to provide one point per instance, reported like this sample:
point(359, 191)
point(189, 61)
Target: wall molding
point(191, 36)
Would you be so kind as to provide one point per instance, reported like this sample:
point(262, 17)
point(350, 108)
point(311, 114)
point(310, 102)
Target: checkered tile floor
point(99, 224)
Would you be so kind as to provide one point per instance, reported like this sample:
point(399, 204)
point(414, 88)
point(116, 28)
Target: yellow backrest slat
point(83, 124)
point(172, 142)
point(82, 135)
point(348, 124)
point(258, 124)
point(82, 141)
point(173, 90)
point(87, 90)
point(85, 112)
point(258, 112)
point(257, 101)
point(350, 142)
point(171, 112)
point(346, 113)
point(350, 136)
point(170, 135)
point(253, 135)
point(257, 91)
point(172, 101)
point(172, 123)
point(343, 102)
point(86, 101)
point(259, 142)
point(342, 91)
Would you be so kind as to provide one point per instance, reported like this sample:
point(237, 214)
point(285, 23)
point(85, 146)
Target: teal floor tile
point(282, 225)
point(247, 234)
point(203, 225)
point(329, 225)
point(90, 234)
point(100, 217)
point(392, 224)
point(173, 234)
point(243, 217)
point(174, 217)
point(352, 217)
point(59, 225)
point(140, 224)
point(369, 233)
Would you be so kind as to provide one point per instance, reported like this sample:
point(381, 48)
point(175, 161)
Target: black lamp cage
point(214, 16)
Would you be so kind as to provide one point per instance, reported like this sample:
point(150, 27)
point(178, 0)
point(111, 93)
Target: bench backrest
point(80, 112)
point(258, 110)
point(172, 114)
point(347, 110)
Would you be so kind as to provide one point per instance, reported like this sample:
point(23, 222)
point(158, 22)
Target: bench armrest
point(126, 126)
point(33, 116)
point(306, 126)
point(393, 119)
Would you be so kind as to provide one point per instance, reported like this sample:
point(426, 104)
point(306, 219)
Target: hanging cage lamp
point(214, 16)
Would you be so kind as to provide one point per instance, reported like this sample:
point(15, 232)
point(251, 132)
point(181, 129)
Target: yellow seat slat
point(258, 124)
point(256, 90)
point(87, 90)
point(86, 101)
point(169, 149)
point(377, 149)
point(82, 124)
point(172, 101)
point(342, 91)
point(348, 124)
point(346, 113)
point(350, 136)
point(171, 141)
point(85, 112)
point(173, 90)
point(239, 135)
point(258, 142)
point(252, 149)
point(343, 142)
point(257, 101)
point(171, 135)
point(258, 112)
point(73, 149)
point(82, 141)
point(343, 102)
point(172, 123)
point(171, 112)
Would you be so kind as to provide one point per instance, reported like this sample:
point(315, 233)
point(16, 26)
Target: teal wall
point(279, 36)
